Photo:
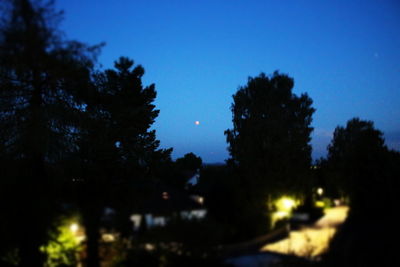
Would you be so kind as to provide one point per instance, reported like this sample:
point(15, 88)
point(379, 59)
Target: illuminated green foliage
point(64, 246)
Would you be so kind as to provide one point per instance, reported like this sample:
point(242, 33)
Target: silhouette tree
point(364, 168)
point(178, 173)
point(189, 162)
point(40, 75)
point(186, 167)
point(116, 146)
point(54, 115)
point(269, 142)
point(222, 191)
point(271, 131)
point(357, 152)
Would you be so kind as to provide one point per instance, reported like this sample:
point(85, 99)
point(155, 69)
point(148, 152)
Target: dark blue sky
point(344, 54)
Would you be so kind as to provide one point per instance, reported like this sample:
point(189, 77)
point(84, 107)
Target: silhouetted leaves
point(366, 171)
point(64, 124)
point(271, 132)
point(40, 75)
point(269, 142)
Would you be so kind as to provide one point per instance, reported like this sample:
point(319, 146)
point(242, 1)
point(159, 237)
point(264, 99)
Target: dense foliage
point(365, 170)
point(69, 134)
point(74, 137)
point(269, 142)
point(41, 75)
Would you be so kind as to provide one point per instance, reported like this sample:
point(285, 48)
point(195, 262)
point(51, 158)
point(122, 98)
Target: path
point(311, 241)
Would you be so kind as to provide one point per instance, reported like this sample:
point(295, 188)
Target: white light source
point(201, 200)
point(320, 191)
point(137, 220)
point(149, 247)
point(74, 227)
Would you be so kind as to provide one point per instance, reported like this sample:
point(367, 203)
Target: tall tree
point(271, 131)
point(357, 154)
point(269, 142)
point(40, 74)
point(367, 171)
point(189, 162)
point(116, 146)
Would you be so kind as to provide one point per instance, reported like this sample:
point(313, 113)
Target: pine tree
point(41, 76)
point(116, 147)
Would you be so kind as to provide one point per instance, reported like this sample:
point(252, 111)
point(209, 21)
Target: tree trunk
point(36, 209)
point(32, 223)
point(91, 213)
point(92, 234)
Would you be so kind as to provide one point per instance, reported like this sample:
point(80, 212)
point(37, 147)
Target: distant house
point(194, 179)
point(166, 203)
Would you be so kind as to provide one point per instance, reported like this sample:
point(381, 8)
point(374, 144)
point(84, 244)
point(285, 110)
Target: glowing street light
point(284, 206)
point(285, 203)
point(74, 227)
point(320, 191)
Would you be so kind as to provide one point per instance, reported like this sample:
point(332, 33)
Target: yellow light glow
point(319, 204)
point(288, 203)
point(108, 237)
point(278, 215)
point(285, 204)
point(64, 246)
point(74, 227)
point(311, 241)
point(284, 207)
point(320, 191)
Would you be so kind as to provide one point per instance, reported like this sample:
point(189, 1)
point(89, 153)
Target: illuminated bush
point(64, 245)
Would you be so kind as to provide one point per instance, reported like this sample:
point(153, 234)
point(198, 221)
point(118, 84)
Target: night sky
point(344, 54)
